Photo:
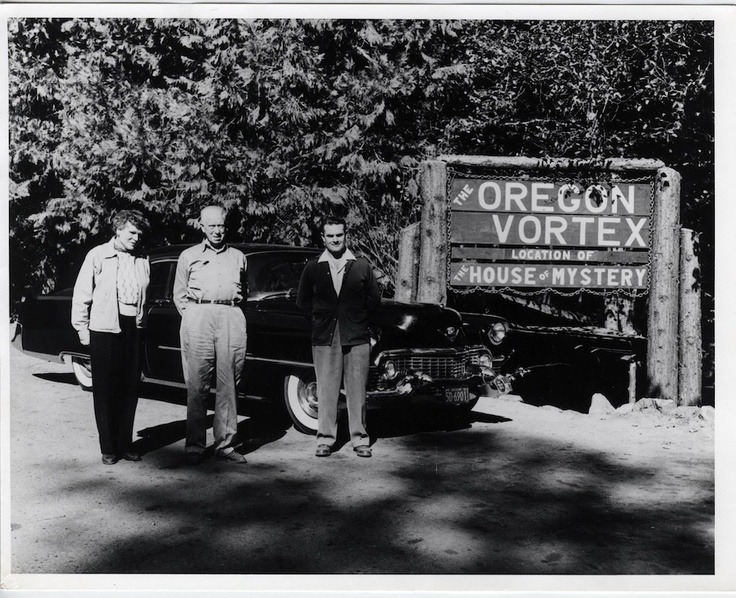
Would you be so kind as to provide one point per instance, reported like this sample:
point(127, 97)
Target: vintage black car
point(565, 365)
point(420, 352)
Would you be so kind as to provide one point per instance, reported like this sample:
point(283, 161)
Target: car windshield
point(275, 272)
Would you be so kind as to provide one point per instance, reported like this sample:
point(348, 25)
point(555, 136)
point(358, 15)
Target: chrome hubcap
point(308, 398)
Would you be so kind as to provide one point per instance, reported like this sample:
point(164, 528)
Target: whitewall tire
point(82, 372)
point(300, 396)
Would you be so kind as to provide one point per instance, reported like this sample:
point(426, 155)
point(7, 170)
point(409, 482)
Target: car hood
point(398, 325)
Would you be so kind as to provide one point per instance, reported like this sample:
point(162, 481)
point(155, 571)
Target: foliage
point(282, 120)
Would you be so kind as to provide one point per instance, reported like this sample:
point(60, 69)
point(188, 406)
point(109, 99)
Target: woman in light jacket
point(107, 313)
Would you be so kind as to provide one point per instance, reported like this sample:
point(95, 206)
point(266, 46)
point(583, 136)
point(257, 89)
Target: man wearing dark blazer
point(338, 292)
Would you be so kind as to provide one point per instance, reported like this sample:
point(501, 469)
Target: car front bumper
point(418, 388)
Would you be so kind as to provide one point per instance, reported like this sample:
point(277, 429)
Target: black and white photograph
point(360, 297)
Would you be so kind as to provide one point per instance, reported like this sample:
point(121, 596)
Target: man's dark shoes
point(363, 451)
point(233, 456)
point(131, 456)
point(109, 459)
point(194, 458)
point(323, 450)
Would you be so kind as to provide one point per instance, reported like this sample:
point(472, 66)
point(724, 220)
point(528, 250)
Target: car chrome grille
point(442, 364)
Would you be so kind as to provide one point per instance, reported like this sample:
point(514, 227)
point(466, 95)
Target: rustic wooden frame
point(673, 314)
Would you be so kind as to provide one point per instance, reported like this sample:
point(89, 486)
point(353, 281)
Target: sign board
point(506, 232)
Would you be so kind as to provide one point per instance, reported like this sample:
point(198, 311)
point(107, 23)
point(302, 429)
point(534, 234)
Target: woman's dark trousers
point(116, 375)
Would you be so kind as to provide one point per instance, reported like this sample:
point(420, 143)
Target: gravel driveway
point(519, 490)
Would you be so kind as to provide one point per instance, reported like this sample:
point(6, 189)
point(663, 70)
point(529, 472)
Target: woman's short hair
point(136, 218)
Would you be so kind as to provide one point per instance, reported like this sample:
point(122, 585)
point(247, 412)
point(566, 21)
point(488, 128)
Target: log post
point(555, 164)
point(407, 274)
point(691, 372)
point(663, 310)
point(432, 281)
point(632, 379)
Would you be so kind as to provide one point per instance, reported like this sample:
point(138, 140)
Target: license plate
point(457, 395)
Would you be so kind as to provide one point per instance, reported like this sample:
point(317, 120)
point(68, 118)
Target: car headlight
point(497, 333)
point(451, 332)
point(485, 361)
point(389, 370)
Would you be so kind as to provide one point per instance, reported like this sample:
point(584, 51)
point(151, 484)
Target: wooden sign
point(537, 233)
point(541, 197)
point(549, 231)
point(556, 255)
point(471, 274)
point(428, 250)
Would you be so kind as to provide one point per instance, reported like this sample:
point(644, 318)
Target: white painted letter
point(555, 226)
point(503, 233)
point(564, 194)
point(515, 192)
point(538, 195)
point(635, 236)
point(585, 277)
point(591, 205)
point(537, 229)
point(583, 221)
point(619, 198)
point(482, 196)
point(603, 231)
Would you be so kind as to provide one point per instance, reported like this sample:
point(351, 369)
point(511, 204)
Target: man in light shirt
point(209, 286)
point(338, 292)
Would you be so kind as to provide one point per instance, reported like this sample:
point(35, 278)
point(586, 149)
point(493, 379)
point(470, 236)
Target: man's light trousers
point(213, 339)
point(331, 364)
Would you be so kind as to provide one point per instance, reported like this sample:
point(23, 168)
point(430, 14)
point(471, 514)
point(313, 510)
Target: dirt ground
point(518, 490)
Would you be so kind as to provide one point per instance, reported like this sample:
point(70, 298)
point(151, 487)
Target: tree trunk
point(610, 164)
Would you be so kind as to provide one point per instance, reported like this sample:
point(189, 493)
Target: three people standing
point(337, 291)
point(107, 313)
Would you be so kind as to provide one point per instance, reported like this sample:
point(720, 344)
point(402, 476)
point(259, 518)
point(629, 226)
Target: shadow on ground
point(440, 496)
point(458, 502)
point(61, 378)
point(268, 422)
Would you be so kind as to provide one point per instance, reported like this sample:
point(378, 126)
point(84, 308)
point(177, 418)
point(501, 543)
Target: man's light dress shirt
point(209, 274)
